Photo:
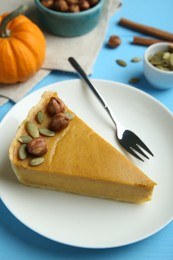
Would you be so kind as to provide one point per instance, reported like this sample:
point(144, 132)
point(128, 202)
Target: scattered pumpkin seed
point(69, 115)
point(36, 161)
point(24, 139)
point(134, 80)
point(46, 132)
point(22, 152)
point(32, 129)
point(40, 117)
point(135, 59)
point(121, 63)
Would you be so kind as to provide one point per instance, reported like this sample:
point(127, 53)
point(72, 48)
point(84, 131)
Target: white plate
point(91, 222)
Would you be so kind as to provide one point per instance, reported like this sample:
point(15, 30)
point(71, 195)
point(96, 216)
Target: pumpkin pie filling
point(76, 160)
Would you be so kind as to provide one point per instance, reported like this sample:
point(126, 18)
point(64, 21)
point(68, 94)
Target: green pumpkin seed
point(32, 129)
point(36, 161)
point(134, 80)
point(40, 117)
point(25, 139)
point(46, 132)
point(136, 59)
point(160, 67)
point(22, 152)
point(69, 115)
point(163, 60)
point(121, 63)
point(166, 55)
point(171, 59)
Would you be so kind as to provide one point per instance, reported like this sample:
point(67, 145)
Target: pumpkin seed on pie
point(36, 161)
point(25, 139)
point(40, 117)
point(46, 132)
point(22, 152)
point(32, 129)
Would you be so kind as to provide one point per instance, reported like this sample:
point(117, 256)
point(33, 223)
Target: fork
point(127, 139)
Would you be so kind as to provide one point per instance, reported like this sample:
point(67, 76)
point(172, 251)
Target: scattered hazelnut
point(37, 146)
point(114, 41)
point(55, 105)
point(59, 121)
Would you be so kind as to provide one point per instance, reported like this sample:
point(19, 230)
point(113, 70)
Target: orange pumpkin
point(22, 48)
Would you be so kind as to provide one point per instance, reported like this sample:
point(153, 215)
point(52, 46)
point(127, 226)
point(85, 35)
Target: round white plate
point(92, 222)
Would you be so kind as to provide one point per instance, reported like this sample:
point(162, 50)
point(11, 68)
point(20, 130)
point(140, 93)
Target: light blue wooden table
point(18, 241)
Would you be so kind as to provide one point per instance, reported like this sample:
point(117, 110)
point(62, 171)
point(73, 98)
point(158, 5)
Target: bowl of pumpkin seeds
point(158, 65)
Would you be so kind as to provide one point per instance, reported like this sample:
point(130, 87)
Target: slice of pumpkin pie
point(53, 148)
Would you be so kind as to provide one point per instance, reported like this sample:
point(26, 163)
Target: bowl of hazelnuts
point(69, 18)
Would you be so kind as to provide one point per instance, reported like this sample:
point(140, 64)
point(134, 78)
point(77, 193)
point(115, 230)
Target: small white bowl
point(158, 78)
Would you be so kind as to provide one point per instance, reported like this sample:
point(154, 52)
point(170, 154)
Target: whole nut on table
point(114, 41)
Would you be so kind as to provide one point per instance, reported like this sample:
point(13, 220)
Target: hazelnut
point(59, 121)
point(55, 105)
point(37, 146)
point(61, 6)
point(114, 41)
point(72, 1)
point(48, 3)
point(74, 8)
point(93, 2)
point(84, 5)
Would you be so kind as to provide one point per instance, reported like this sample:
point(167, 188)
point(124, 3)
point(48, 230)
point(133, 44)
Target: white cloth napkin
point(58, 49)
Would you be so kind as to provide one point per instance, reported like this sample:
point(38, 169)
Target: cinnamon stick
point(146, 29)
point(144, 41)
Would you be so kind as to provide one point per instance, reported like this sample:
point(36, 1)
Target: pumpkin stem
point(4, 32)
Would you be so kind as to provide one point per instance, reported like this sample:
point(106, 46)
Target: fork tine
point(140, 143)
point(137, 148)
point(129, 150)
